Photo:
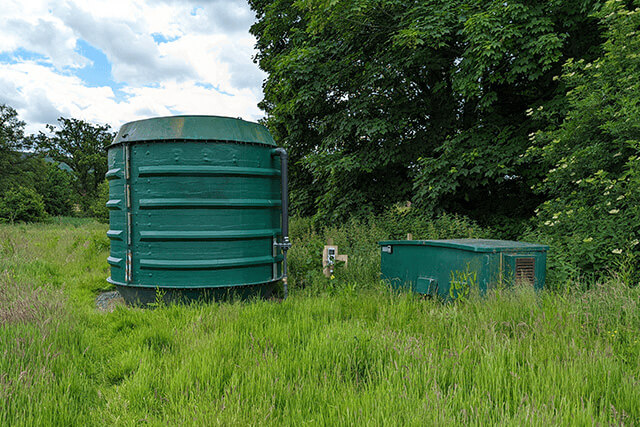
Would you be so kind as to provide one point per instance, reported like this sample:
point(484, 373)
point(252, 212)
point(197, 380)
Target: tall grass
point(338, 352)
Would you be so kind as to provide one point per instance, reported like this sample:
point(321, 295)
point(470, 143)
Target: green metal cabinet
point(429, 266)
point(195, 204)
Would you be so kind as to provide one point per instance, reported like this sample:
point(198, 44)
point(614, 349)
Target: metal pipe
point(284, 170)
point(284, 179)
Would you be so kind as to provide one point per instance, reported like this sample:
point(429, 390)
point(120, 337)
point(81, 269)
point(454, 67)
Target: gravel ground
point(108, 301)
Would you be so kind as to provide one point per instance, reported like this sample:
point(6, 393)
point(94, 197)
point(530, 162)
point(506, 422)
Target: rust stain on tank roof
point(177, 123)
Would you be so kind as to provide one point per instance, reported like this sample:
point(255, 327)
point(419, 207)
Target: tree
point(381, 101)
point(512, 51)
point(592, 157)
point(82, 146)
point(98, 208)
point(56, 187)
point(12, 145)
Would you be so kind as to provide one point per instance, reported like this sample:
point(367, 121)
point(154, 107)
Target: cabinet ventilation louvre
point(525, 270)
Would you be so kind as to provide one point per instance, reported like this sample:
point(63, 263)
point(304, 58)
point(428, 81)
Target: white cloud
point(135, 57)
point(202, 66)
point(44, 95)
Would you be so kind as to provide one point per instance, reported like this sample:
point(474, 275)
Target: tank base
point(141, 297)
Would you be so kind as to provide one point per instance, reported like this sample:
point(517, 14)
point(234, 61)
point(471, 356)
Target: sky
point(114, 61)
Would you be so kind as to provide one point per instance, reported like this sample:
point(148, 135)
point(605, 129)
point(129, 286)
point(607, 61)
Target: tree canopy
point(82, 146)
point(383, 101)
point(13, 144)
point(33, 182)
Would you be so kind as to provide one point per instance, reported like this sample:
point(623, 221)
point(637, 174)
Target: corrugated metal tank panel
point(192, 206)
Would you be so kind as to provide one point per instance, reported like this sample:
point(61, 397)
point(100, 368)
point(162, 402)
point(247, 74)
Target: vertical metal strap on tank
point(275, 254)
point(127, 195)
point(128, 267)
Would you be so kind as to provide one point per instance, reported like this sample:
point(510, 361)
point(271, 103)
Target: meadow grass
point(337, 352)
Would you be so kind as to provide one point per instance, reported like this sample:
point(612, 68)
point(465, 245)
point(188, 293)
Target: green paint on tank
point(194, 205)
point(428, 266)
point(194, 128)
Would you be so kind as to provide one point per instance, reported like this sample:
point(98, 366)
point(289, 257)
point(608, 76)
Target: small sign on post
point(330, 256)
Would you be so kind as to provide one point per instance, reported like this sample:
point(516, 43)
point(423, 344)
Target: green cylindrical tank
point(195, 208)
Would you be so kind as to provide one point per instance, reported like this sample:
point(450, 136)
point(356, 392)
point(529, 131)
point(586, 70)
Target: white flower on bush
point(617, 251)
point(614, 211)
point(588, 239)
point(635, 242)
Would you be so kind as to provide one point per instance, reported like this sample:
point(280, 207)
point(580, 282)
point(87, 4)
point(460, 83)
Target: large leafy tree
point(82, 146)
point(347, 102)
point(381, 101)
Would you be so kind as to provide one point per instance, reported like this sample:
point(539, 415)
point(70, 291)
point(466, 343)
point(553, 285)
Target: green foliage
point(461, 284)
point(82, 146)
point(78, 144)
point(13, 161)
point(56, 187)
point(381, 102)
point(12, 136)
point(98, 206)
point(402, 219)
point(593, 157)
point(516, 358)
point(21, 204)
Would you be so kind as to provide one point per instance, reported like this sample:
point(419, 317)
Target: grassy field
point(338, 353)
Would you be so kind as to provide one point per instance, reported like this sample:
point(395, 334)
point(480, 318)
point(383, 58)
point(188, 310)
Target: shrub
point(22, 204)
point(400, 220)
point(591, 216)
point(97, 207)
point(56, 188)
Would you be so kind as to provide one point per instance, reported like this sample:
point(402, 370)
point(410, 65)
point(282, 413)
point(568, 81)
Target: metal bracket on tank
point(285, 245)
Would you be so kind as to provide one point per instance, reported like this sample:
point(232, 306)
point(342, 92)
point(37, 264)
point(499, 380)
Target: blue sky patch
point(161, 38)
point(209, 86)
point(98, 73)
point(22, 55)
